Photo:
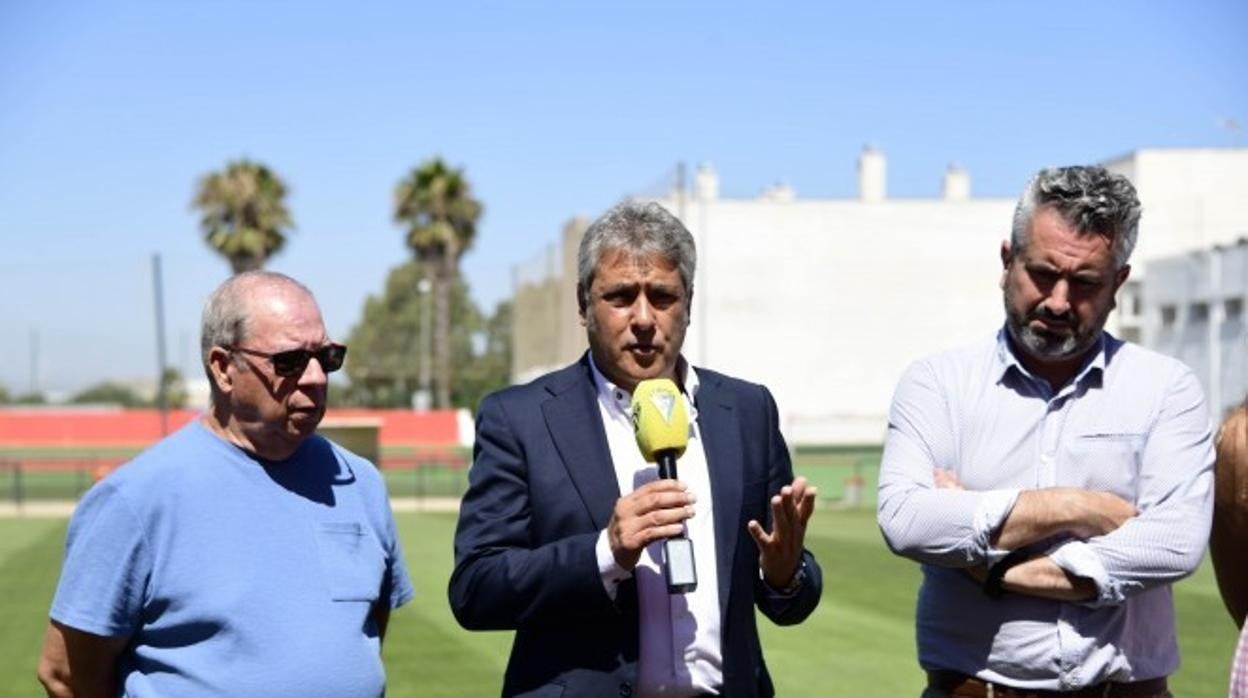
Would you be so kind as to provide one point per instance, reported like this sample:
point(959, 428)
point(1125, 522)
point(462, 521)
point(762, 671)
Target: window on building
point(1200, 312)
point(1234, 309)
point(1168, 315)
point(1129, 299)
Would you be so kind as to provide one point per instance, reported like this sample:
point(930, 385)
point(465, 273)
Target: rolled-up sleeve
point(1166, 540)
point(944, 527)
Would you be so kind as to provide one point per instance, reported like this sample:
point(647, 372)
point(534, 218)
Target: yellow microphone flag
point(660, 420)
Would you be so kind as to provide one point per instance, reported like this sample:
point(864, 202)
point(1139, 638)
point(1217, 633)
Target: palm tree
point(434, 202)
point(243, 213)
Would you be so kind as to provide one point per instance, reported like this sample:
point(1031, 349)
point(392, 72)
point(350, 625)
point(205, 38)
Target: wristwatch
point(996, 574)
point(794, 584)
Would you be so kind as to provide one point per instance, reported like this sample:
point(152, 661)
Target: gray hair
point(1090, 198)
point(641, 228)
point(225, 319)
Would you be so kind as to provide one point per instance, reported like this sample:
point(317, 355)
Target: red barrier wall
point(95, 428)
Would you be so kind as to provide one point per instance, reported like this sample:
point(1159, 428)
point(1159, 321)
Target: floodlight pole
point(162, 399)
point(34, 361)
point(425, 287)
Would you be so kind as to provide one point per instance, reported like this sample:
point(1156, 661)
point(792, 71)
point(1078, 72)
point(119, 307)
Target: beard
point(1061, 345)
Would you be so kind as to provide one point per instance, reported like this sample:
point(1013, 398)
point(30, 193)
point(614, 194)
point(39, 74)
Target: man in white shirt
point(560, 534)
point(1052, 480)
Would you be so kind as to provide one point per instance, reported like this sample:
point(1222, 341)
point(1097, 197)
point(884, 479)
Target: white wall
point(1193, 198)
point(1196, 309)
point(827, 301)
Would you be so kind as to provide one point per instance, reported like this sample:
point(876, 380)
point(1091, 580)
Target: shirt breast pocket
point(1106, 461)
point(353, 561)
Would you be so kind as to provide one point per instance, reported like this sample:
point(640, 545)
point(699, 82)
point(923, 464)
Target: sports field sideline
point(859, 642)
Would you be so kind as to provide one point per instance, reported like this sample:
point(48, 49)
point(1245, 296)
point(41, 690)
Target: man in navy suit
point(560, 534)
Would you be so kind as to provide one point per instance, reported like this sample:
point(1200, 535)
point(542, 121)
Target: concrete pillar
point(956, 185)
point(872, 174)
point(705, 183)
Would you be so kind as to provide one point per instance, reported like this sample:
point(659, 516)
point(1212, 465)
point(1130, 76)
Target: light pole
point(422, 399)
point(162, 396)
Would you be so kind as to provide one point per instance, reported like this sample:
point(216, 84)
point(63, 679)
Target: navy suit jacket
point(541, 488)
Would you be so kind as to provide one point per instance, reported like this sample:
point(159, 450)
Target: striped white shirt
point(1131, 422)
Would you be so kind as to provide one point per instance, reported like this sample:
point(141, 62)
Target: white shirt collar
point(1007, 359)
point(619, 400)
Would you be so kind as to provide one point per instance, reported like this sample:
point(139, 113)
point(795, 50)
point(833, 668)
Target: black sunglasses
point(295, 361)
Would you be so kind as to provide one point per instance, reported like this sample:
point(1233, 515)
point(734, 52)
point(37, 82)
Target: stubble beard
point(1050, 347)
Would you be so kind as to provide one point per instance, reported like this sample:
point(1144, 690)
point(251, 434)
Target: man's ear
point(1120, 277)
point(1006, 255)
point(581, 306)
point(219, 364)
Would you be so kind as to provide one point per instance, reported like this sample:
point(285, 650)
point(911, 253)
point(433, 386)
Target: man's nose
point(643, 314)
point(1058, 301)
point(313, 373)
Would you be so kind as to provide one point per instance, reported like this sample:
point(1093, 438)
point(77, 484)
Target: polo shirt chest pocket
point(1106, 461)
point(353, 561)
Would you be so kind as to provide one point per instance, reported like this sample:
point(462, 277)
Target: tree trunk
point(246, 262)
point(442, 330)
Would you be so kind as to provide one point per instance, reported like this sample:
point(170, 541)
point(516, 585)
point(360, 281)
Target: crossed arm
point(1045, 513)
point(1106, 551)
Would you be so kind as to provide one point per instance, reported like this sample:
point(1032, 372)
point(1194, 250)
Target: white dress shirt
point(1131, 422)
point(679, 633)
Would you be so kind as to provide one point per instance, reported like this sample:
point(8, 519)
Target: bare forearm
point(58, 682)
point(75, 664)
point(55, 684)
point(1040, 514)
point(1041, 577)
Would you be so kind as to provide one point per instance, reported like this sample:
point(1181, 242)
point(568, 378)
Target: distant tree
point(5, 398)
point(35, 398)
point(490, 369)
point(434, 202)
point(383, 356)
point(243, 213)
point(107, 393)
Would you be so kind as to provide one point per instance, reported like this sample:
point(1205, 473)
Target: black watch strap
point(996, 573)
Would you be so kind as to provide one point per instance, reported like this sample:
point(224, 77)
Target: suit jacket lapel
point(576, 428)
point(721, 438)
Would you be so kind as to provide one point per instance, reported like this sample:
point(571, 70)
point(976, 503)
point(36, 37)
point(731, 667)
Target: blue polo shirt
point(235, 576)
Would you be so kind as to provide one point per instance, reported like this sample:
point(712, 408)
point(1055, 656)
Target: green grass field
point(860, 642)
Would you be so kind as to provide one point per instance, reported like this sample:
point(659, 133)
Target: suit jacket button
point(626, 689)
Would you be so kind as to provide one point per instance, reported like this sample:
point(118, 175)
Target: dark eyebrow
point(619, 287)
point(1087, 275)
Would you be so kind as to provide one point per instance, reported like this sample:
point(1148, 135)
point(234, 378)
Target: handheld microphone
point(661, 426)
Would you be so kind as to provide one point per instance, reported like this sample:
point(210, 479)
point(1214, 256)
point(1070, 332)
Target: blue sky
point(110, 112)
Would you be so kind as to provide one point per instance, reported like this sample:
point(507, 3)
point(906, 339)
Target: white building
point(826, 301)
point(1192, 308)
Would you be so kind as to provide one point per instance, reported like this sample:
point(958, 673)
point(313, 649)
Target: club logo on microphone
point(665, 403)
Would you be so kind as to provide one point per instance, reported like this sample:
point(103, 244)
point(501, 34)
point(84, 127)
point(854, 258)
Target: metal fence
point(441, 473)
point(845, 477)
